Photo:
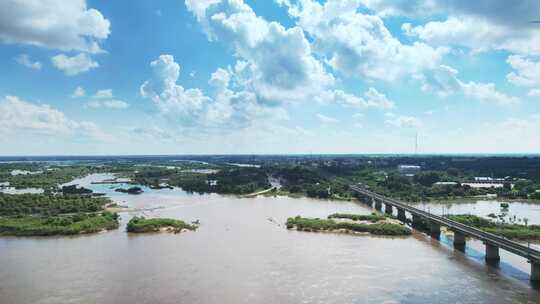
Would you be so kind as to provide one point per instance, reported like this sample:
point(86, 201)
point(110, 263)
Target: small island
point(131, 190)
point(350, 223)
point(143, 225)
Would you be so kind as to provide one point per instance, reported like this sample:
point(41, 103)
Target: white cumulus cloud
point(192, 108)
point(103, 94)
point(104, 99)
point(372, 99)
point(360, 45)
point(534, 93)
point(74, 65)
point(18, 116)
point(25, 60)
point(477, 34)
point(277, 63)
point(56, 24)
point(526, 74)
point(78, 92)
point(443, 81)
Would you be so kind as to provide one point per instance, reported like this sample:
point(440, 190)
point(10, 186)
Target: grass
point(316, 224)
point(143, 225)
point(58, 225)
point(510, 231)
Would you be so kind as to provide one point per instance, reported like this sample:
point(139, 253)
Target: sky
point(269, 77)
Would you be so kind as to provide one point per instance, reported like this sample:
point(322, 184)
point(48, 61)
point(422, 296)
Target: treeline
point(48, 204)
point(46, 214)
point(50, 178)
point(229, 180)
point(311, 182)
point(507, 230)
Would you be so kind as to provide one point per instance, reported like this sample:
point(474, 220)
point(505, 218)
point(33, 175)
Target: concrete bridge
point(493, 242)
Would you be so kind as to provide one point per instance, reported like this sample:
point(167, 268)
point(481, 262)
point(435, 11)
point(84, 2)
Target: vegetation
point(319, 176)
point(49, 178)
point(507, 230)
point(313, 183)
point(131, 190)
point(26, 225)
point(374, 217)
point(47, 214)
point(73, 189)
point(229, 180)
point(316, 224)
point(143, 225)
point(48, 204)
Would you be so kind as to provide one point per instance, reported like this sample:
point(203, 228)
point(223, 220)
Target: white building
point(408, 170)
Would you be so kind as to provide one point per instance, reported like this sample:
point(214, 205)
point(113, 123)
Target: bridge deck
point(531, 254)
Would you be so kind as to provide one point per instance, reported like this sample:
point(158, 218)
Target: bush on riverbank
point(316, 224)
point(26, 225)
point(142, 225)
point(374, 217)
point(510, 231)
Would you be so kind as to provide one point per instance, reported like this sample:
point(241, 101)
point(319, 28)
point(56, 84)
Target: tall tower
point(416, 144)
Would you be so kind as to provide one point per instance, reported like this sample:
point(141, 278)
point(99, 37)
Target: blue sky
point(233, 76)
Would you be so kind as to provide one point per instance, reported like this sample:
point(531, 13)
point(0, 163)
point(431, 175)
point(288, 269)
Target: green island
point(144, 225)
point(130, 190)
point(58, 225)
point(379, 227)
point(48, 214)
point(507, 230)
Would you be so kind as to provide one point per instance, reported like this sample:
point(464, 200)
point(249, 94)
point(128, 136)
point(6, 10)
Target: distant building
point(484, 184)
point(488, 179)
point(212, 182)
point(408, 170)
point(445, 183)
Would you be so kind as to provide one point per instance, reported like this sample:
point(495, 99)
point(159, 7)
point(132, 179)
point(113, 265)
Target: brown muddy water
point(242, 253)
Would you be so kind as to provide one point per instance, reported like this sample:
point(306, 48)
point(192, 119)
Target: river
point(242, 253)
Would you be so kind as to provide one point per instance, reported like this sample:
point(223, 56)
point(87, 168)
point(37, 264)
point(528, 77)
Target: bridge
point(461, 231)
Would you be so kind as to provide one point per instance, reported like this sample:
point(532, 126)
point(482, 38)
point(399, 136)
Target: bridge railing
point(494, 239)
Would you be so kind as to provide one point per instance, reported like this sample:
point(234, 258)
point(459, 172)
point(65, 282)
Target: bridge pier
point(388, 209)
point(434, 230)
point(535, 271)
point(459, 240)
point(401, 215)
point(416, 220)
point(367, 200)
point(378, 205)
point(492, 252)
point(421, 218)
